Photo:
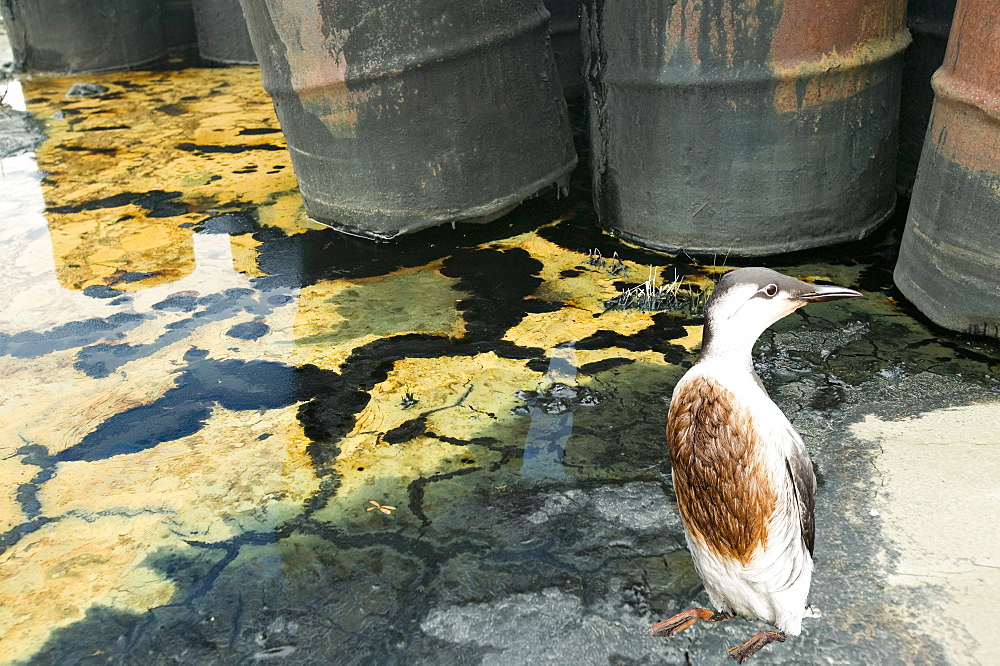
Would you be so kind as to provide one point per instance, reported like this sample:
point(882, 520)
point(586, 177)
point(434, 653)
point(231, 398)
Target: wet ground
point(232, 436)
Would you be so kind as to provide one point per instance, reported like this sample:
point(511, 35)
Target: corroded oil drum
point(929, 22)
point(949, 260)
point(564, 31)
point(403, 116)
point(76, 36)
point(222, 32)
point(743, 126)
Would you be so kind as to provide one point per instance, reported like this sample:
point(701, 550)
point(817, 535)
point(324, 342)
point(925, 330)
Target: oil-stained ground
point(230, 435)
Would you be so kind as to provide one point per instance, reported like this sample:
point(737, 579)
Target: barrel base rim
point(933, 309)
point(22, 67)
point(481, 214)
point(227, 61)
point(962, 270)
point(851, 235)
point(379, 237)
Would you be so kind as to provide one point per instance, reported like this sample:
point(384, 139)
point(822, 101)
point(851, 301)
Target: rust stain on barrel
point(817, 52)
point(965, 124)
point(716, 30)
point(319, 82)
point(681, 19)
point(823, 52)
point(808, 28)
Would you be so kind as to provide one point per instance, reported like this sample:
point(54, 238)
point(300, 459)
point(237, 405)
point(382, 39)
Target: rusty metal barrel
point(929, 22)
point(75, 36)
point(949, 258)
point(222, 32)
point(404, 116)
point(746, 127)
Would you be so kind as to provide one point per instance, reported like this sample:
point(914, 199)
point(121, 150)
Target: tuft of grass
point(679, 296)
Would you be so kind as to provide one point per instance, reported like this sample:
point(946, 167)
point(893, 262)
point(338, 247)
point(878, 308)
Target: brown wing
point(723, 492)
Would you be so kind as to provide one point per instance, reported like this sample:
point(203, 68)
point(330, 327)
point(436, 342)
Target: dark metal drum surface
point(404, 117)
point(743, 126)
point(74, 36)
point(949, 259)
point(222, 32)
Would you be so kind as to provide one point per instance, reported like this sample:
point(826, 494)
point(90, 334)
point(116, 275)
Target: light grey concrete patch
point(940, 505)
point(557, 503)
point(639, 506)
point(551, 627)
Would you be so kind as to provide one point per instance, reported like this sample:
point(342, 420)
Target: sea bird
point(742, 476)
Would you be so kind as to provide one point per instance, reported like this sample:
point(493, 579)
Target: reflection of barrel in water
point(949, 259)
point(128, 184)
point(401, 120)
point(126, 241)
point(748, 127)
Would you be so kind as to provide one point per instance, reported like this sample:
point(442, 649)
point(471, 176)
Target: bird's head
point(748, 300)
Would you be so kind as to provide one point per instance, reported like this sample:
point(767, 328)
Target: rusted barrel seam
point(954, 89)
point(887, 49)
point(870, 53)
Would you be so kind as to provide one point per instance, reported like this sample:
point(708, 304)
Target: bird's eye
point(771, 290)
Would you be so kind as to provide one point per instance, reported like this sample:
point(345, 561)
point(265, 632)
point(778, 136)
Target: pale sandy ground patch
point(940, 507)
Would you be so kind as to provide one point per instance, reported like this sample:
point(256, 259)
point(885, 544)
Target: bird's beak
point(819, 293)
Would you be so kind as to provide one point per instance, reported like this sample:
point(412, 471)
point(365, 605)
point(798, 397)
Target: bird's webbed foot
point(759, 640)
point(685, 619)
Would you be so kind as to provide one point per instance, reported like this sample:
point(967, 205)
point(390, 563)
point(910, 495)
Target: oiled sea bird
point(743, 479)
